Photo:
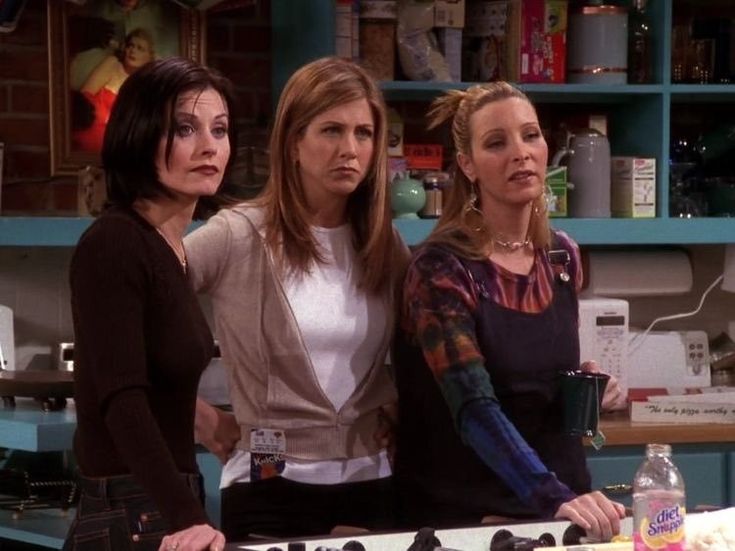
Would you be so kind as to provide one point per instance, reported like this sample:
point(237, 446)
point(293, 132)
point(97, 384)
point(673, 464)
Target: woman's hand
point(614, 397)
point(595, 514)
point(200, 537)
point(216, 430)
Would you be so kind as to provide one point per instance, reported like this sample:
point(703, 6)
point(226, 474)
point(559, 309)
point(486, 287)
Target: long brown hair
point(313, 89)
point(460, 227)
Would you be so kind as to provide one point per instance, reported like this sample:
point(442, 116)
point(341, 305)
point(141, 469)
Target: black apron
point(441, 481)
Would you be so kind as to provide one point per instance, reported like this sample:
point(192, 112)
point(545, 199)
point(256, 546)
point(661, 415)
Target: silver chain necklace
point(178, 251)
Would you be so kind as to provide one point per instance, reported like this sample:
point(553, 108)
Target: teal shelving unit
point(639, 123)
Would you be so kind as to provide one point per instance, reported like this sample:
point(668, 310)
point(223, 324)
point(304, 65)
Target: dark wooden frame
point(64, 160)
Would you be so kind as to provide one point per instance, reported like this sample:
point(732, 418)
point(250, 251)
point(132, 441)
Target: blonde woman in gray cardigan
point(302, 281)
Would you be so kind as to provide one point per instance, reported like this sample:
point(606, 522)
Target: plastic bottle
point(659, 503)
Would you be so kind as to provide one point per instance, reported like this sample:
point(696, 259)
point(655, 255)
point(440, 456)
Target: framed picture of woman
point(93, 47)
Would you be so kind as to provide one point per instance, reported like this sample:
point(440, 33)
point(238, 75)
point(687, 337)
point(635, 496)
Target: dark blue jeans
point(116, 514)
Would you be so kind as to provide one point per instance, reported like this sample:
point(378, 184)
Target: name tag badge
point(267, 447)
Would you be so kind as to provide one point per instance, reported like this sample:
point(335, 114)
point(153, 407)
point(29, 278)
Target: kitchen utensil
point(588, 155)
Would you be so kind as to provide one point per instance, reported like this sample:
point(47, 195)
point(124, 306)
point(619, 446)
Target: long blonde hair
point(311, 90)
point(461, 227)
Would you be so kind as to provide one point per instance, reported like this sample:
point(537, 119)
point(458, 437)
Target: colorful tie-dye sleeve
point(439, 301)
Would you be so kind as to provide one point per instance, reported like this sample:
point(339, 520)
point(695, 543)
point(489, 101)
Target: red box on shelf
point(423, 156)
point(537, 40)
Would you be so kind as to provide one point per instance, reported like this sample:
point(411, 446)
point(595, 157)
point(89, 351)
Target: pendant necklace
point(178, 251)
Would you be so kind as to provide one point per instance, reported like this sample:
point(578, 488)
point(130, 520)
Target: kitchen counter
point(620, 431)
point(27, 427)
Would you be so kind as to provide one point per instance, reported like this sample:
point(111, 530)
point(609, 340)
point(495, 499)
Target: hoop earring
point(472, 208)
point(541, 205)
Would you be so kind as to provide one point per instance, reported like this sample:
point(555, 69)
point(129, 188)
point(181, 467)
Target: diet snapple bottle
point(659, 503)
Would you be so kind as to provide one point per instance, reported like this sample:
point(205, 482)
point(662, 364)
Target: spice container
point(434, 183)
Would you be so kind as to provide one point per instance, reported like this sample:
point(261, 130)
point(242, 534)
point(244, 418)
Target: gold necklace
point(179, 251)
point(512, 246)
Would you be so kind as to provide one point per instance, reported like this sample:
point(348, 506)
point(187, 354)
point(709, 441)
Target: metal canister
point(598, 45)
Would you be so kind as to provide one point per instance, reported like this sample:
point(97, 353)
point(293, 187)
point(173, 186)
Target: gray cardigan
point(272, 381)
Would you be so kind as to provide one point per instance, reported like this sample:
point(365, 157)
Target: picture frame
point(93, 46)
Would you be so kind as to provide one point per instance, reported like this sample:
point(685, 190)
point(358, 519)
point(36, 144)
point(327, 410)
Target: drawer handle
point(618, 489)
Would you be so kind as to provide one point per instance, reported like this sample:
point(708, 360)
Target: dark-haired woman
point(141, 339)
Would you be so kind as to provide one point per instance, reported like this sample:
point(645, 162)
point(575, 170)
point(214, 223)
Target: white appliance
point(7, 340)
point(669, 359)
point(603, 335)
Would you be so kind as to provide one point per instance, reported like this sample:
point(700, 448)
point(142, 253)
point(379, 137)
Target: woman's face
point(508, 153)
point(335, 151)
point(200, 148)
point(137, 52)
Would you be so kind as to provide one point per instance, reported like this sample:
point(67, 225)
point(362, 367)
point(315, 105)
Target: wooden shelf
point(65, 232)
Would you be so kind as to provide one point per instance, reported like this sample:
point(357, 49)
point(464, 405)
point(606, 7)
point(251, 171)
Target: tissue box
point(633, 187)
point(556, 180)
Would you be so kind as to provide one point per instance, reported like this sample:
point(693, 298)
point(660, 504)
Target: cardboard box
point(449, 13)
point(633, 187)
point(423, 156)
point(556, 180)
point(537, 40)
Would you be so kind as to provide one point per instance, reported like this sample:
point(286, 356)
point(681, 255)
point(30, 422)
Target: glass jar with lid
point(434, 184)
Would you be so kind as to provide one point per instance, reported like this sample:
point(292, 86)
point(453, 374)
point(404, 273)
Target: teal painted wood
point(28, 428)
point(300, 32)
point(211, 470)
point(38, 231)
point(46, 528)
point(705, 472)
point(65, 232)
point(731, 477)
point(615, 231)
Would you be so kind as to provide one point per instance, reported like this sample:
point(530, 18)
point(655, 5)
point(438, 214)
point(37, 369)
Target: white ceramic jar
point(597, 43)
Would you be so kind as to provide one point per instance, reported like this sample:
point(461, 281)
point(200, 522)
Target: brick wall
point(238, 43)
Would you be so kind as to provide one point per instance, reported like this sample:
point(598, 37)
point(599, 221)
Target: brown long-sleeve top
point(141, 343)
